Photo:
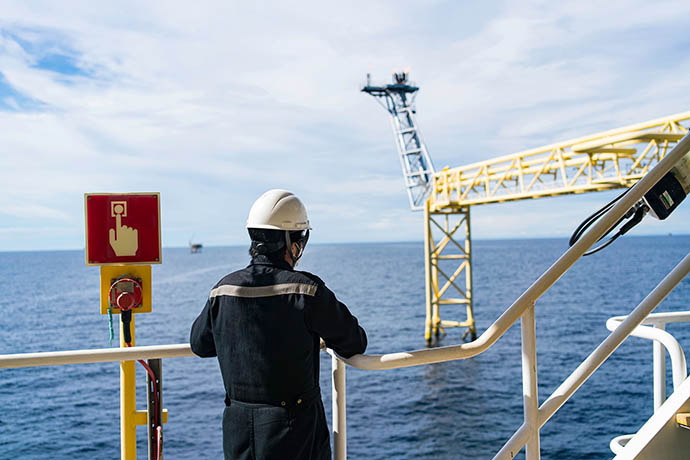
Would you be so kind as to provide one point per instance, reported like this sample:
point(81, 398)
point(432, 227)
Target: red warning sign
point(122, 228)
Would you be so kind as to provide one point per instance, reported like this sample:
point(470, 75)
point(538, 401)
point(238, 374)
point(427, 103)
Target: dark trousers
point(265, 432)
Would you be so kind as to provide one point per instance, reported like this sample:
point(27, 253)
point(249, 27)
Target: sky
point(211, 103)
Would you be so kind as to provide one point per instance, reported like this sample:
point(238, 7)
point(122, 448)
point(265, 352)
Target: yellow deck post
point(435, 312)
point(468, 278)
point(128, 403)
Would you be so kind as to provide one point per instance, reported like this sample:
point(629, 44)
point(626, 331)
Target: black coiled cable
point(637, 212)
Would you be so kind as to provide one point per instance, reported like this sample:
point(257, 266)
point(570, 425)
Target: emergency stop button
point(125, 293)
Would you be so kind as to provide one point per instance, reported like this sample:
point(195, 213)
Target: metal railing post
point(338, 404)
point(659, 363)
point(529, 382)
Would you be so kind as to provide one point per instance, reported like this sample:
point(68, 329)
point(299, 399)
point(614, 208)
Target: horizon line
point(670, 234)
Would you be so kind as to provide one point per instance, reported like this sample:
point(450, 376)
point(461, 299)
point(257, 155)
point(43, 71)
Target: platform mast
point(442, 249)
point(398, 99)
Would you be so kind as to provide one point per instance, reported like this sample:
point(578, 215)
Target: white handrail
point(678, 364)
point(659, 321)
point(98, 355)
point(614, 339)
point(575, 380)
point(559, 397)
point(569, 386)
point(660, 338)
point(662, 319)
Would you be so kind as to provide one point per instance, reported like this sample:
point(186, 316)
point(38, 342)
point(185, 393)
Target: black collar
point(263, 260)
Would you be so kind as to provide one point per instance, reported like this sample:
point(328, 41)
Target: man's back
point(264, 323)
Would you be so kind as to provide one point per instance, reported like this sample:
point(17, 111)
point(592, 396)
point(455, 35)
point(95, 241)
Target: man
point(264, 324)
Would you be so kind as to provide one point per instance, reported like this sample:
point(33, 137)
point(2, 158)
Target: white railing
point(535, 416)
point(98, 355)
point(662, 340)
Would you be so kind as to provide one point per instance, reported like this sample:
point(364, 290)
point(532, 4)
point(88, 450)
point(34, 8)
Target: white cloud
point(215, 103)
point(33, 212)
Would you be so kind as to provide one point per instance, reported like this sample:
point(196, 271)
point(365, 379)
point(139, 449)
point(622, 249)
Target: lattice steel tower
point(446, 283)
point(603, 161)
point(398, 99)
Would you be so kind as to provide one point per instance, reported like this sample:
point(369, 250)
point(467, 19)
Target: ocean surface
point(457, 410)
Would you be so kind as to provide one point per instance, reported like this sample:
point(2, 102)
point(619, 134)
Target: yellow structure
point(604, 161)
point(130, 417)
point(128, 403)
point(112, 272)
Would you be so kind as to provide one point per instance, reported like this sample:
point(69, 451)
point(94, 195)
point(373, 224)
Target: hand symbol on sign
point(123, 239)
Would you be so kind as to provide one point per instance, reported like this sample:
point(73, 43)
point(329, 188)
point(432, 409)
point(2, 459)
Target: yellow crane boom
point(603, 161)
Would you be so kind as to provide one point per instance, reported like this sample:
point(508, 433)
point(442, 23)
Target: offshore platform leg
point(448, 256)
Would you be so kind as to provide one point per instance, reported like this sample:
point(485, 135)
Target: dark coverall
point(264, 324)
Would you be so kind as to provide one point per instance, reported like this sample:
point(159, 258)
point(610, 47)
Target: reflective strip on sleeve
point(264, 291)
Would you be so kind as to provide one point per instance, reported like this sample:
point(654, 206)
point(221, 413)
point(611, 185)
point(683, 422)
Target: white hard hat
point(278, 210)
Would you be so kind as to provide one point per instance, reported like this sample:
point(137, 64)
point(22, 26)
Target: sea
point(49, 301)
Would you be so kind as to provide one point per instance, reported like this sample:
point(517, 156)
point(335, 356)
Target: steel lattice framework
point(398, 99)
point(605, 161)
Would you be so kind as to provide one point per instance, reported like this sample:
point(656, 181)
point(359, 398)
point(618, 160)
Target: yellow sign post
point(116, 285)
point(123, 237)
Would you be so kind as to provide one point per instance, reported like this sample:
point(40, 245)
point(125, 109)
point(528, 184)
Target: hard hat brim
point(275, 227)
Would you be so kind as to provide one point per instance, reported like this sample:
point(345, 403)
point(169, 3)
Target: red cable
point(157, 422)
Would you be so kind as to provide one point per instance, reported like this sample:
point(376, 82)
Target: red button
point(125, 301)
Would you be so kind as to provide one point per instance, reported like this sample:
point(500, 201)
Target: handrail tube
point(675, 352)
point(614, 339)
point(658, 319)
point(97, 355)
point(543, 283)
point(575, 380)
point(617, 444)
point(511, 448)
